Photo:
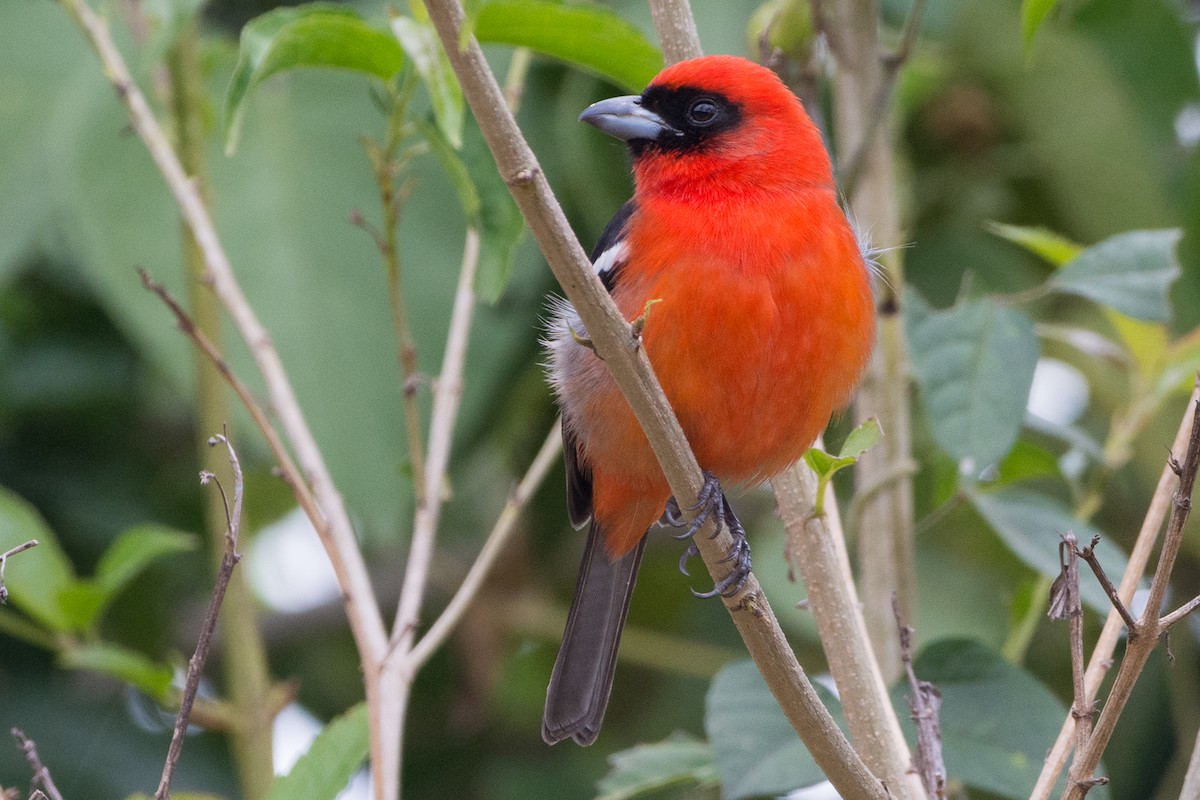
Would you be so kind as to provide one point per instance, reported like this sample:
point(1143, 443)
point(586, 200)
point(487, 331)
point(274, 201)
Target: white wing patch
point(611, 258)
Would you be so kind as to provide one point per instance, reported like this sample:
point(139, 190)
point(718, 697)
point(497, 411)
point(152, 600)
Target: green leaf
point(997, 720)
point(1026, 461)
point(331, 761)
point(861, 439)
point(589, 37)
point(678, 760)
point(501, 226)
point(756, 750)
point(1042, 242)
point(1033, 14)
point(1030, 524)
point(974, 365)
point(1130, 272)
point(134, 550)
point(313, 35)
point(123, 664)
point(37, 579)
point(420, 43)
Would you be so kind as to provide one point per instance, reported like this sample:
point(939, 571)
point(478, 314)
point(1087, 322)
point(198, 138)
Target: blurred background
point(1090, 132)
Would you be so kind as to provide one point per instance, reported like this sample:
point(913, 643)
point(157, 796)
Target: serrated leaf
point(121, 663)
point(678, 760)
point(1033, 14)
point(38, 578)
point(755, 748)
point(861, 439)
point(974, 365)
point(313, 35)
point(1030, 524)
point(1042, 242)
point(1130, 273)
point(335, 755)
point(589, 37)
point(420, 43)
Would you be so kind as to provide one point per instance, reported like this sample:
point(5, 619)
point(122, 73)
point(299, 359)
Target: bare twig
point(41, 775)
point(497, 539)
point(925, 705)
point(628, 364)
point(229, 560)
point(447, 396)
point(21, 548)
point(1088, 554)
point(1102, 653)
point(1187, 608)
point(366, 620)
point(287, 468)
point(1143, 638)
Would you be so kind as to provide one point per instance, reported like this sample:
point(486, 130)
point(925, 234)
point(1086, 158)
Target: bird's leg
point(711, 499)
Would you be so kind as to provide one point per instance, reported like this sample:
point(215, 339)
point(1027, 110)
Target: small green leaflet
point(860, 440)
point(1043, 242)
point(121, 663)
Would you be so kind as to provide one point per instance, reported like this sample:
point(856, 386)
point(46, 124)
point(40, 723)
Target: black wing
point(579, 474)
point(614, 233)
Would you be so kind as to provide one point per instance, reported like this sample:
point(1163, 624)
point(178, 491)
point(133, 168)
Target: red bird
point(763, 324)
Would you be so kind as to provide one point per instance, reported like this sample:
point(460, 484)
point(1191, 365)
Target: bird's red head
point(718, 123)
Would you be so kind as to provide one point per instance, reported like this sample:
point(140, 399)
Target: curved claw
point(739, 552)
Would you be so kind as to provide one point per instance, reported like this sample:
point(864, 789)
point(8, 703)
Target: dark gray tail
point(583, 674)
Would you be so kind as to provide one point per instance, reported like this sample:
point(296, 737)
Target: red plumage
point(763, 324)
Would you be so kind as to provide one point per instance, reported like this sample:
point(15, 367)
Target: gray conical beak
point(624, 118)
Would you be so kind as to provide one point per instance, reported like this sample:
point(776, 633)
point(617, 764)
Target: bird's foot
point(712, 500)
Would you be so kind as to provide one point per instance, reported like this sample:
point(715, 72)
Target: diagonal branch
point(616, 344)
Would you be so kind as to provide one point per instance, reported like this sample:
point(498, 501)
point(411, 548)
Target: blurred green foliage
point(1080, 119)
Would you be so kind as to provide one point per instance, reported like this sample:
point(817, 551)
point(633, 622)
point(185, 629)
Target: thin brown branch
point(925, 705)
point(41, 775)
point(499, 537)
point(1102, 654)
point(447, 397)
point(626, 361)
point(1088, 554)
point(21, 548)
point(287, 468)
point(1143, 638)
point(1187, 608)
point(229, 560)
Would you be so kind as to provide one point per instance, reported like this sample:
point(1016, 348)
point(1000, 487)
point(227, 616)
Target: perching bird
point(763, 324)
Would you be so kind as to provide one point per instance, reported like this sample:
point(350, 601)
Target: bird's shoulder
point(612, 248)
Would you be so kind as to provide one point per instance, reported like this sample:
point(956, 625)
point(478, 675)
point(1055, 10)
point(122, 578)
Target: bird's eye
point(702, 112)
